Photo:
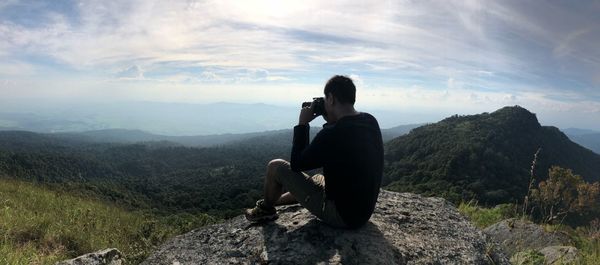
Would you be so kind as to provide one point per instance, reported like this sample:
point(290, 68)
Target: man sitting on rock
point(349, 148)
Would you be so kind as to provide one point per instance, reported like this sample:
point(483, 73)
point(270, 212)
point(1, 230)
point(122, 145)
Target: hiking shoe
point(260, 213)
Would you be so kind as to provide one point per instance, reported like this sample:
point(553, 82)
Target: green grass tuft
point(484, 217)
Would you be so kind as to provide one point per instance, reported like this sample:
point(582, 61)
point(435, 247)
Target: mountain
point(391, 133)
point(164, 175)
point(126, 136)
point(114, 136)
point(151, 175)
point(486, 156)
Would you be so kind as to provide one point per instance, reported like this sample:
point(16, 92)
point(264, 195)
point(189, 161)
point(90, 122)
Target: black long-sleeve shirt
point(351, 154)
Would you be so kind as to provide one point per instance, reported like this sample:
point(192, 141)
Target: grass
point(40, 226)
point(484, 217)
point(586, 238)
point(528, 257)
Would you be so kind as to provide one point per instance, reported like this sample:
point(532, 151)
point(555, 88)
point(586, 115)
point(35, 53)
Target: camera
point(319, 104)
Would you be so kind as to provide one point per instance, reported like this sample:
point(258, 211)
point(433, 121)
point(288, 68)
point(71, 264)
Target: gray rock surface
point(528, 257)
point(515, 235)
point(560, 254)
point(110, 256)
point(404, 229)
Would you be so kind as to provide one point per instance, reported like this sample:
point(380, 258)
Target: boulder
point(111, 256)
point(559, 254)
point(404, 229)
point(516, 235)
point(527, 257)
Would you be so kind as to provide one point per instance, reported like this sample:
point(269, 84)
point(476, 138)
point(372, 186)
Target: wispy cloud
point(496, 50)
point(132, 73)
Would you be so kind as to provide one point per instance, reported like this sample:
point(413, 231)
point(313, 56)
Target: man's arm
point(307, 156)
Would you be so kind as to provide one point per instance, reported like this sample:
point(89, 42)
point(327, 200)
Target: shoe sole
point(262, 219)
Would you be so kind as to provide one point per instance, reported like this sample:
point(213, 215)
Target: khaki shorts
point(310, 193)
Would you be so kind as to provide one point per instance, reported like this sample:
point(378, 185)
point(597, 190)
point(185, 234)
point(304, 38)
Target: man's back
point(351, 154)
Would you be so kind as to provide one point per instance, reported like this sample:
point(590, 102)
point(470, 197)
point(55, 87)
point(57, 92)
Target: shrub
point(566, 195)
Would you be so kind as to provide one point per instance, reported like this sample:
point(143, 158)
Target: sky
point(435, 57)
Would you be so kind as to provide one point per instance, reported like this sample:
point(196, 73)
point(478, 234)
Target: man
point(349, 148)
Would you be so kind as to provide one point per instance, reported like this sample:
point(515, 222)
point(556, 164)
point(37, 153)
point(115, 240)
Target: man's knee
point(277, 164)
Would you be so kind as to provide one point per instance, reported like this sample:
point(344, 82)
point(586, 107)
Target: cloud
point(564, 47)
point(134, 72)
point(278, 78)
point(211, 76)
point(13, 68)
point(243, 75)
point(7, 84)
point(457, 52)
point(7, 3)
point(252, 75)
point(291, 35)
point(510, 97)
point(454, 84)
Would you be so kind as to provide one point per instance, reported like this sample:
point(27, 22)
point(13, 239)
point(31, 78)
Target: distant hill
point(588, 139)
point(161, 175)
point(161, 118)
point(485, 156)
point(150, 175)
point(126, 136)
point(578, 131)
point(391, 133)
point(173, 119)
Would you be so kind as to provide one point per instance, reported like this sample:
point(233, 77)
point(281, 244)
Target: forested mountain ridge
point(164, 178)
point(136, 136)
point(486, 156)
point(125, 136)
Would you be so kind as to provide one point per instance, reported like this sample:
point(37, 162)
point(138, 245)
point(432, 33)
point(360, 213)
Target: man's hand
point(307, 114)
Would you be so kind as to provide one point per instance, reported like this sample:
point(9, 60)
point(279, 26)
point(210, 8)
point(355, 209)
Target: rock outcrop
point(404, 229)
point(559, 254)
point(110, 256)
point(515, 235)
point(553, 255)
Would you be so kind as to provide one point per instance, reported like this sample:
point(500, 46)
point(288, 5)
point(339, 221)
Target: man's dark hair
point(342, 88)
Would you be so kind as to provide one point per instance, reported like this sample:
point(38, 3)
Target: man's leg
point(308, 191)
point(286, 198)
point(273, 189)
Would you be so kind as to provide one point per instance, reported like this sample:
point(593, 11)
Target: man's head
point(342, 89)
point(340, 95)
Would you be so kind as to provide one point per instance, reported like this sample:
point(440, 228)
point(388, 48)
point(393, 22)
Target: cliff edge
point(404, 229)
